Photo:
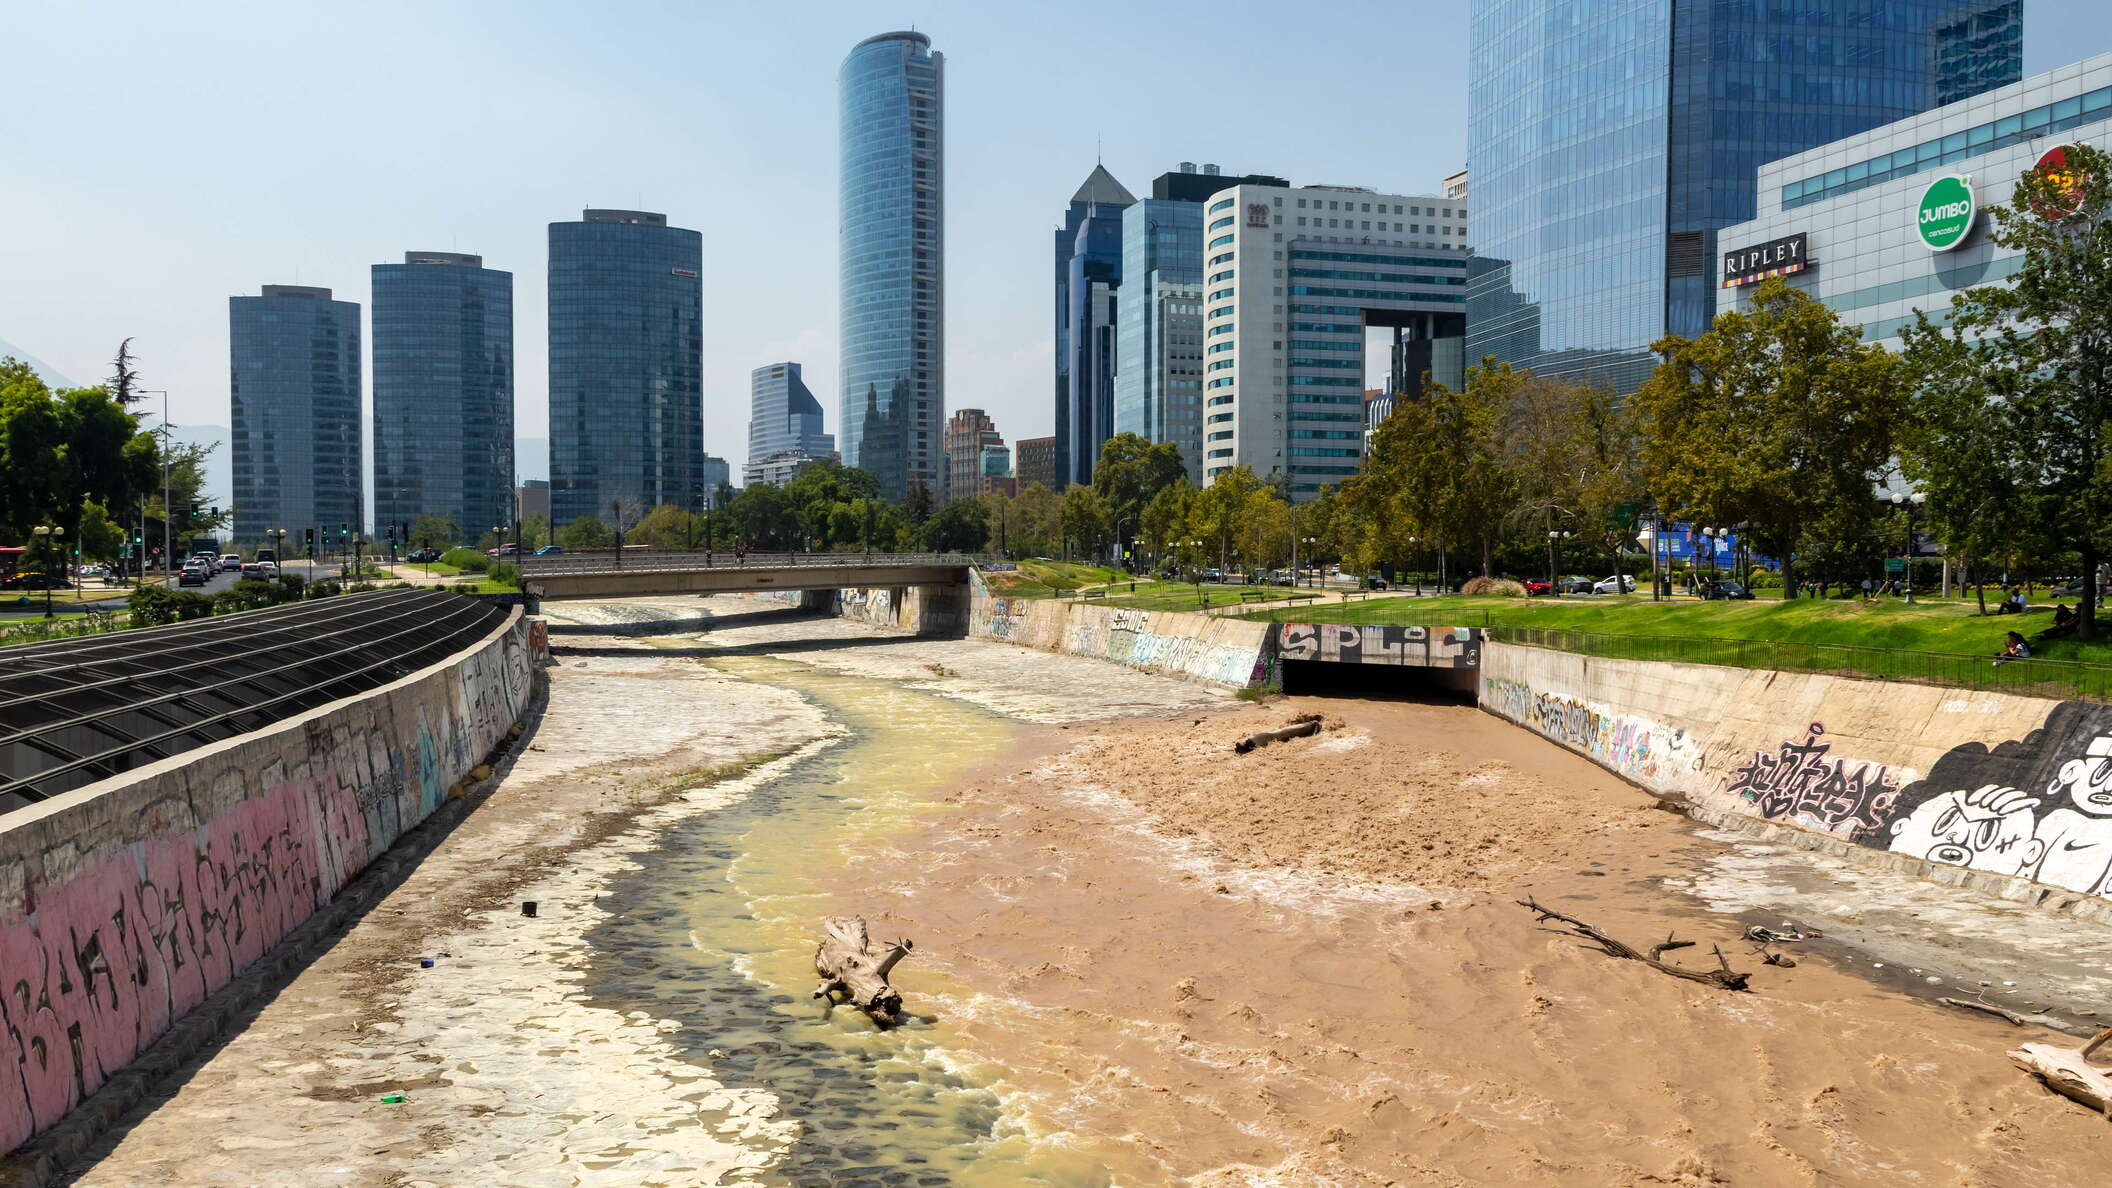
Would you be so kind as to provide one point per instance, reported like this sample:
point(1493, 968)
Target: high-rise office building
point(1609, 142)
point(1088, 261)
point(294, 391)
point(443, 391)
point(891, 243)
point(626, 365)
point(969, 432)
point(1293, 279)
point(1036, 462)
point(783, 414)
point(1159, 317)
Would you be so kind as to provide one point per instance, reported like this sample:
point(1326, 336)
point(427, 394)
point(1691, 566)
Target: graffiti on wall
point(99, 959)
point(1006, 616)
point(1650, 753)
point(1806, 784)
point(1422, 647)
point(2039, 808)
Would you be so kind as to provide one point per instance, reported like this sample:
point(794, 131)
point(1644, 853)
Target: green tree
point(100, 538)
point(2015, 394)
point(1130, 471)
point(1217, 517)
point(535, 531)
point(1781, 418)
point(433, 530)
point(665, 527)
point(58, 450)
point(1164, 520)
point(961, 526)
point(917, 501)
point(586, 532)
point(1084, 520)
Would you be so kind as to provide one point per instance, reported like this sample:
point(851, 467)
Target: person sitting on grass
point(2063, 616)
point(2014, 649)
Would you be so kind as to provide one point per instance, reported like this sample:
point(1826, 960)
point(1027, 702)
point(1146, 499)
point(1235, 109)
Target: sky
point(159, 158)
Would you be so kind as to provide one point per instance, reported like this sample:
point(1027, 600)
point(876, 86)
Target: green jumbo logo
point(1946, 213)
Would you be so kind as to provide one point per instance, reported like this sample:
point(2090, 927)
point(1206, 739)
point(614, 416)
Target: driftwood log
point(850, 965)
point(1720, 976)
point(2070, 1072)
point(1297, 729)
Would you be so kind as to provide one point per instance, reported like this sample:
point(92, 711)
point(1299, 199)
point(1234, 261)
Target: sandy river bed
point(1140, 959)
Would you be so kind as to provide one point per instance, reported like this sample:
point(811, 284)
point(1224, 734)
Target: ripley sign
point(1776, 257)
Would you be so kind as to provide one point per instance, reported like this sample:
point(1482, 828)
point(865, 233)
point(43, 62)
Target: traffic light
point(308, 539)
point(392, 533)
point(343, 530)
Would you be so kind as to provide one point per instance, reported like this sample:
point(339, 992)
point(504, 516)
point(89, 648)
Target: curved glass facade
point(443, 391)
point(626, 350)
point(891, 220)
point(1607, 144)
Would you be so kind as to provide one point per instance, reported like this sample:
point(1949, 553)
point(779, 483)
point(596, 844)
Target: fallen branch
point(2068, 1071)
point(1986, 1007)
point(851, 966)
point(1720, 976)
point(1298, 729)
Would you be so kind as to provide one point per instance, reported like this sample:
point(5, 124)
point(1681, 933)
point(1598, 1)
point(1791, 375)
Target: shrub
point(466, 560)
point(505, 571)
point(153, 606)
point(247, 594)
point(292, 587)
point(1493, 587)
point(324, 588)
point(360, 587)
point(1764, 579)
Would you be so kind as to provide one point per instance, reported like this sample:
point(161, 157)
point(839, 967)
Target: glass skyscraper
point(1609, 142)
point(1088, 272)
point(784, 422)
point(891, 240)
point(626, 359)
point(294, 391)
point(443, 391)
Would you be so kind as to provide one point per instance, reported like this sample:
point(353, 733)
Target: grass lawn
point(484, 586)
point(1952, 626)
point(1184, 596)
point(1042, 578)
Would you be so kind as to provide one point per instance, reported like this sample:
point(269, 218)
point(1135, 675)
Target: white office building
point(1292, 279)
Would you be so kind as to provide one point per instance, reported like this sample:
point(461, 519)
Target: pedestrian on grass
point(2014, 649)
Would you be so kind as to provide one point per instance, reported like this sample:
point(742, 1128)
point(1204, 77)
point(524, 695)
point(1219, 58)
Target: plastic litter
point(393, 1099)
point(425, 963)
point(528, 907)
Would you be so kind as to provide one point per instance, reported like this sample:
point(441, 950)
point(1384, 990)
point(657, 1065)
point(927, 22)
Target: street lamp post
point(1309, 542)
point(1415, 556)
point(1901, 499)
point(49, 536)
point(168, 557)
point(1553, 535)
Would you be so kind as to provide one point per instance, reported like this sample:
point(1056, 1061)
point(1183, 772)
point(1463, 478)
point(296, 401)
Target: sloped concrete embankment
point(2009, 795)
point(126, 903)
point(1217, 651)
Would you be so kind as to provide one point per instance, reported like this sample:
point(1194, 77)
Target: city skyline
point(394, 172)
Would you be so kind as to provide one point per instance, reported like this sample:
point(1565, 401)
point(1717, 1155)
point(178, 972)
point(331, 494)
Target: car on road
point(1213, 575)
point(1534, 587)
point(504, 550)
point(230, 561)
point(1576, 584)
point(550, 551)
point(194, 574)
point(1716, 591)
point(93, 571)
point(1374, 582)
point(257, 569)
point(427, 553)
point(1624, 584)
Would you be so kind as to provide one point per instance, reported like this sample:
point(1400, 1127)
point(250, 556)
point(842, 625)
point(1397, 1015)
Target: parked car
point(1576, 584)
point(1535, 587)
point(1624, 584)
point(427, 554)
point(1213, 575)
point(550, 550)
point(1718, 591)
point(1374, 582)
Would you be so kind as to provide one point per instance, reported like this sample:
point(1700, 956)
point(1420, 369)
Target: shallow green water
point(717, 933)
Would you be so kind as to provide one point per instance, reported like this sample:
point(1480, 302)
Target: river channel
point(717, 928)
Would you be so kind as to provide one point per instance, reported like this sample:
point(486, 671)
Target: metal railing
point(600, 561)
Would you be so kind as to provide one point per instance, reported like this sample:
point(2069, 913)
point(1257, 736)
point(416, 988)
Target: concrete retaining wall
point(1217, 651)
point(125, 903)
point(926, 610)
point(2009, 794)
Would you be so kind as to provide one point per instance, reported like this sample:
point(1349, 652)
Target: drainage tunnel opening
point(1402, 682)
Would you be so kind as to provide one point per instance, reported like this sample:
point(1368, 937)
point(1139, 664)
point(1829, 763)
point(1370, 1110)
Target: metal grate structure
point(76, 711)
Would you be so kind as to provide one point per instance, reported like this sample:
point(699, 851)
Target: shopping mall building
point(1896, 219)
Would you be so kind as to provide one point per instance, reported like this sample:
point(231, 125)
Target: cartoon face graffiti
point(1989, 828)
point(2086, 782)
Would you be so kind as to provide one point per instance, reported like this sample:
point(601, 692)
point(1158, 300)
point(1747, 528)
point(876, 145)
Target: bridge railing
point(601, 561)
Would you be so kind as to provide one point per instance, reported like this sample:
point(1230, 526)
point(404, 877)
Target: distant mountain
point(50, 374)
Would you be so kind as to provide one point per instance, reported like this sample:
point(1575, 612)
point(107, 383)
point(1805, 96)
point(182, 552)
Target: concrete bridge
point(608, 573)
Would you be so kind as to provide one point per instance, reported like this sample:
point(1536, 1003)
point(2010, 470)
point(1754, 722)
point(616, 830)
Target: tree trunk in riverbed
point(848, 962)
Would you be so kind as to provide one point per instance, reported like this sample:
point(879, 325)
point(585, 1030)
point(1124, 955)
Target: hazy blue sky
point(159, 157)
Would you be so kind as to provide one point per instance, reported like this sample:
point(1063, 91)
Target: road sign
point(1895, 565)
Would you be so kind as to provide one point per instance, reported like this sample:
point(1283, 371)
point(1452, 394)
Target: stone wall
point(2010, 794)
point(125, 903)
point(926, 610)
